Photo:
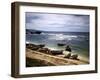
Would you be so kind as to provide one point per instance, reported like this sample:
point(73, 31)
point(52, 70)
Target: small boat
point(56, 52)
point(61, 44)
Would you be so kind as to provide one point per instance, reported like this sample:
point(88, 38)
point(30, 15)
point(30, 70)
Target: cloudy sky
point(57, 22)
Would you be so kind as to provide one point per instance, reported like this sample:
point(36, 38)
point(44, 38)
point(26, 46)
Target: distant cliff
point(30, 31)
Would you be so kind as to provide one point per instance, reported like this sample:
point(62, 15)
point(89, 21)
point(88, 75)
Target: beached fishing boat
point(56, 52)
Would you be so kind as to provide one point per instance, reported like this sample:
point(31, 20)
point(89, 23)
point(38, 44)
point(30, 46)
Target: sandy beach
point(35, 58)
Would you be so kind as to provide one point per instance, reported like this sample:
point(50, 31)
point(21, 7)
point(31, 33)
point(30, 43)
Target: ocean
point(78, 41)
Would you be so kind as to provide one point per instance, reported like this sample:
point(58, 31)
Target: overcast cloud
point(57, 22)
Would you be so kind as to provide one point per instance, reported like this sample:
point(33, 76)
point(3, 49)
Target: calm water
point(78, 41)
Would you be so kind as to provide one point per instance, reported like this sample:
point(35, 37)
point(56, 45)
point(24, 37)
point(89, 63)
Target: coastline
point(51, 60)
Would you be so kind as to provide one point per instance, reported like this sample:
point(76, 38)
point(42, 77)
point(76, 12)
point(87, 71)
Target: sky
point(57, 22)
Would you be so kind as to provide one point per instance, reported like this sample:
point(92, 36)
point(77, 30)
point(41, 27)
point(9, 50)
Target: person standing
point(67, 52)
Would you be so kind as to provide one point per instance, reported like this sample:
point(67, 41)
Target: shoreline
point(55, 48)
point(50, 60)
point(80, 56)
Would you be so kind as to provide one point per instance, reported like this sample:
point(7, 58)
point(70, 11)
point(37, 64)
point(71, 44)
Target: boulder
point(74, 56)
